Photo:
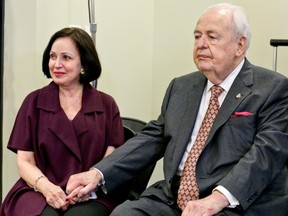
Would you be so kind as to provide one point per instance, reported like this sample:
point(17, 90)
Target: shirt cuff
point(233, 202)
point(101, 184)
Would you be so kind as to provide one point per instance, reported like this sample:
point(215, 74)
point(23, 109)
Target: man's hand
point(75, 199)
point(81, 184)
point(207, 206)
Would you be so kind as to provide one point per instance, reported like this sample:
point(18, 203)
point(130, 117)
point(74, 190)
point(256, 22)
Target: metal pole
point(275, 58)
point(93, 28)
point(275, 43)
point(93, 25)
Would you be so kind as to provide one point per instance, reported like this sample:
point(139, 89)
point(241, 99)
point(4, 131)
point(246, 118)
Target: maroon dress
point(61, 147)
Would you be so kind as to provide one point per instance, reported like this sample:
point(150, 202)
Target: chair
point(135, 125)
point(131, 127)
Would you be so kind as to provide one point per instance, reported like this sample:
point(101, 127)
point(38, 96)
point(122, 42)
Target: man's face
point(216, 49)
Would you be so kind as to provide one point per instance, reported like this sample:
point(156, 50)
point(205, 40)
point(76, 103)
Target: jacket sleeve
point(146, 148)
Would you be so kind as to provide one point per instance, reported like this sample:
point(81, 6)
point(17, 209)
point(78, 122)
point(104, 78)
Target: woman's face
point(64, 62)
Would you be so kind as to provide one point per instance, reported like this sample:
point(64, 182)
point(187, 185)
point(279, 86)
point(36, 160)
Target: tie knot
point(216, 90)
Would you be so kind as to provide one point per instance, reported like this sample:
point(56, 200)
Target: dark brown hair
point(86, 48)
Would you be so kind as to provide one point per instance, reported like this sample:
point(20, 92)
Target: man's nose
point(201, 42)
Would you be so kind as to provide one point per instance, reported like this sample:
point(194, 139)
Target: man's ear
point(241, 46)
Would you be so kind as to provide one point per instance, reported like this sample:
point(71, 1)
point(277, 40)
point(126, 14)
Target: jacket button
point(254, 196)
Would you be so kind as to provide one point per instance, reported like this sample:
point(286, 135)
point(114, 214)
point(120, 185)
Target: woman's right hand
point(33, 176)
point(54, 195)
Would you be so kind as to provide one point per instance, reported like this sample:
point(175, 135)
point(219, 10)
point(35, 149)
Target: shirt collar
point(227, 83)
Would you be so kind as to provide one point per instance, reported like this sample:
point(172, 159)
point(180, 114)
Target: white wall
point(142, 45)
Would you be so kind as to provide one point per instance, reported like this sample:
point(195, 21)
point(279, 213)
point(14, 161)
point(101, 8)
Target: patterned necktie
point(188, 189)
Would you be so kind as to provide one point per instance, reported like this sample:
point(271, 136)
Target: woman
point(62, 129)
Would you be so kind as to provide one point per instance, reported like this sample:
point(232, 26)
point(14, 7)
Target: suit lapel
point(239, 90)
point(192, 98)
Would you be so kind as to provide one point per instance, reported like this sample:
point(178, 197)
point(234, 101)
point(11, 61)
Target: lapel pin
point(238, 95)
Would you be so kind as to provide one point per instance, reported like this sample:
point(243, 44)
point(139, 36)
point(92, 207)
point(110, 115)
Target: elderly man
point(222, 132)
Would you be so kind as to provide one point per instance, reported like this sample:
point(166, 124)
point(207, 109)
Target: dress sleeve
point(24, 128)
point(116, 136)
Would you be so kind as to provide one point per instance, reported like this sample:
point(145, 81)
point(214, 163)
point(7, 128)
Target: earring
point(82, 71)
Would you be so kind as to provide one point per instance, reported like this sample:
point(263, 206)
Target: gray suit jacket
point(245, 154)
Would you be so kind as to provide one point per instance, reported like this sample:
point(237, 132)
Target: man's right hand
point(88, 181)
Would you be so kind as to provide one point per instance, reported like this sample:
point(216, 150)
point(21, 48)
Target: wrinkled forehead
point(216, 18)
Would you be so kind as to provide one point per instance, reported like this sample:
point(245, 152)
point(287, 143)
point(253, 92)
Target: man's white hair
point(242, 27)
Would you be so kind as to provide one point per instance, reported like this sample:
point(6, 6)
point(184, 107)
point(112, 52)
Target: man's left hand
point(207, 206)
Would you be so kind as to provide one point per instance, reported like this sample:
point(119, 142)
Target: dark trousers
point(89, 208)
point(149, 205)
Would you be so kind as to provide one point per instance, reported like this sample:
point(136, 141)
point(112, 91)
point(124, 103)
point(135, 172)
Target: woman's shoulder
point(97, 94)
point(32, 97)
point(106, 97)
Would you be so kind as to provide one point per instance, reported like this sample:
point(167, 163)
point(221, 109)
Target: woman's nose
point(58, 62)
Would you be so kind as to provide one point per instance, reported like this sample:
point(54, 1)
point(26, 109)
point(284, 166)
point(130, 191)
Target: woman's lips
point(58, 74)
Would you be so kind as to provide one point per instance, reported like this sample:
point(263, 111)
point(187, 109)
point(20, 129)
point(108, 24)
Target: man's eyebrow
point(208, 32)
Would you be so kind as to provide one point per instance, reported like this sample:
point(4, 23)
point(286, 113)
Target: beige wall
point(142, 45)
